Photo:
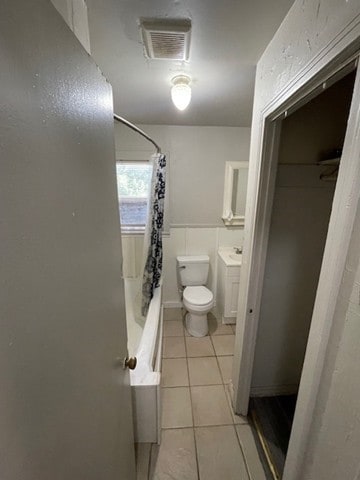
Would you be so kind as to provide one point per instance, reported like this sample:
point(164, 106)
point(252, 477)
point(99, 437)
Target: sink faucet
point(238, 250)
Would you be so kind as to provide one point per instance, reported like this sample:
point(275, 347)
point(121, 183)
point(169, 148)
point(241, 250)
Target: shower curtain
point(153, 254)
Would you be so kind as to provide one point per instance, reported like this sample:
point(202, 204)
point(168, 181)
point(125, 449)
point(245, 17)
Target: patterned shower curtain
point(153, 235)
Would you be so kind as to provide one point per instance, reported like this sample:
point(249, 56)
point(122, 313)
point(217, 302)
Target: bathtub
point(145, 342)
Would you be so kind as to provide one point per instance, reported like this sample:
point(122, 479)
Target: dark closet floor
point(272, 418)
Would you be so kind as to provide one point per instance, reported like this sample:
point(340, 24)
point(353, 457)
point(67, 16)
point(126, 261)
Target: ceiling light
point(181, 91)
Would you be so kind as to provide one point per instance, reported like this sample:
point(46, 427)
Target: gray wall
point(322, 122)
point(313, 34)
point(299, 225)
point(61, 297)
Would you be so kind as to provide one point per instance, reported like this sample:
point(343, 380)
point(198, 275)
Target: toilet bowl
point(198, 301)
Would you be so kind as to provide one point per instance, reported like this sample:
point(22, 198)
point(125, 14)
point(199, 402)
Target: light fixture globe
point(181, 91)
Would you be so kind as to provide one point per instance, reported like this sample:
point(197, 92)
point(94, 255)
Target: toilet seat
point(198, 298)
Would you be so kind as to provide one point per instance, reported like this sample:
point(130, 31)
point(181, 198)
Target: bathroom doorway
point(309, 155)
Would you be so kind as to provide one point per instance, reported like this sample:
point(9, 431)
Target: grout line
point(172, 358)
point(196, 455)
point(223, 384)
point(197, 385)
point(243, 455)
point(229, 405)
point(207, 385)
point(191, 406)
point(209, 356)
point(215, 426)
point(228, 402)
point(192, 416)
point(218, 364)
point(228, 398)
point(178, 428)
point(212, 343)
point(204, 426)
point(149, 462)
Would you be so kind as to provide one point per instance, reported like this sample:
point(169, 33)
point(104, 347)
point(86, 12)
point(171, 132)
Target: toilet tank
point(193, 270)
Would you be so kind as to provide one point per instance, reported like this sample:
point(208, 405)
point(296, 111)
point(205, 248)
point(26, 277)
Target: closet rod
point(138, 130)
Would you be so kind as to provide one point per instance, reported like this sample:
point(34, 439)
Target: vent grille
point(167, 40)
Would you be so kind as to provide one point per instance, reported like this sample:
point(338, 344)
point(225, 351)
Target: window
point(133, 182)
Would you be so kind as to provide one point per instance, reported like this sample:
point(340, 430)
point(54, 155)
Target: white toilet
point(197, 299)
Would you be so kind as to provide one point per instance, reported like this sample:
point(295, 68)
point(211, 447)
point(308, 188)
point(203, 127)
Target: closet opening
point(309, 155)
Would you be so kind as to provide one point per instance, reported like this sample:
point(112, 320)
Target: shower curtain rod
point(138, 130)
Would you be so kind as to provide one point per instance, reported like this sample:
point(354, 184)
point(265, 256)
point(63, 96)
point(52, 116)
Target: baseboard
point(178, 304)
point(228, 320)
point(172, 304)
point(273, 390)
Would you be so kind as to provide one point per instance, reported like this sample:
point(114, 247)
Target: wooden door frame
point(327, 68)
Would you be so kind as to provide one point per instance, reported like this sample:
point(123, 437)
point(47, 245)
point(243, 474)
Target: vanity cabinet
point(228, 287)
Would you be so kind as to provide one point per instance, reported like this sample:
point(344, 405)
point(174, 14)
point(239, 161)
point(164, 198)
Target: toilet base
point(197, 325)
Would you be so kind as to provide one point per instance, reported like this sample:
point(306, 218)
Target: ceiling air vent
point(166, 39)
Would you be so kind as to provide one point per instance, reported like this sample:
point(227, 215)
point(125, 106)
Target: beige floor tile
point(155, 448)
point(176, 408)
point(174, 372)
point(224, 344)
point(172, 314)
point(251, 455)
point(199, 347)
point(186, 333)
point(174, 347)
point(210, 406)
point(218, 328)
point(204, 371)
point(175, 459)
point(173, 328)
point(219, 454)
point(142, 453)
point(237, 419)
point(225, 364)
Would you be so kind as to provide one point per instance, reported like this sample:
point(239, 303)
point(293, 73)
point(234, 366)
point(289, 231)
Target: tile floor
point(202, 439)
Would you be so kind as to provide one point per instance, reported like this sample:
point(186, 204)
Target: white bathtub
point(145, 342)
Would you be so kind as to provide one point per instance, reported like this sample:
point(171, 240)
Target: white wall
point(195, 241)
point(313, 33)
point(333, 451)
point(75, 14)
point(196, 161)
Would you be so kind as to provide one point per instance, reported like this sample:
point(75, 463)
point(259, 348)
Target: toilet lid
point(198, 295)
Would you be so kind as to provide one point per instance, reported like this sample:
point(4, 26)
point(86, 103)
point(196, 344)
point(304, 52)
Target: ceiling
point(227, 39)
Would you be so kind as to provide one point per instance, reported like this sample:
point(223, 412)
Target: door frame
point(329, 67)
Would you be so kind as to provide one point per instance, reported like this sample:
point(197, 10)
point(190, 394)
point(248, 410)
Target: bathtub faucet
point(238, 250)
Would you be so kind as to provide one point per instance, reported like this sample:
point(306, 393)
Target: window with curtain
point(133, 182)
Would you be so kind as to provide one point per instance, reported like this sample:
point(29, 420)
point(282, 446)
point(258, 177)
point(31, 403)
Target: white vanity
point(229, 264)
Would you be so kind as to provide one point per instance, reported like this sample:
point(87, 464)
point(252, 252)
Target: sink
point(229, 257)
